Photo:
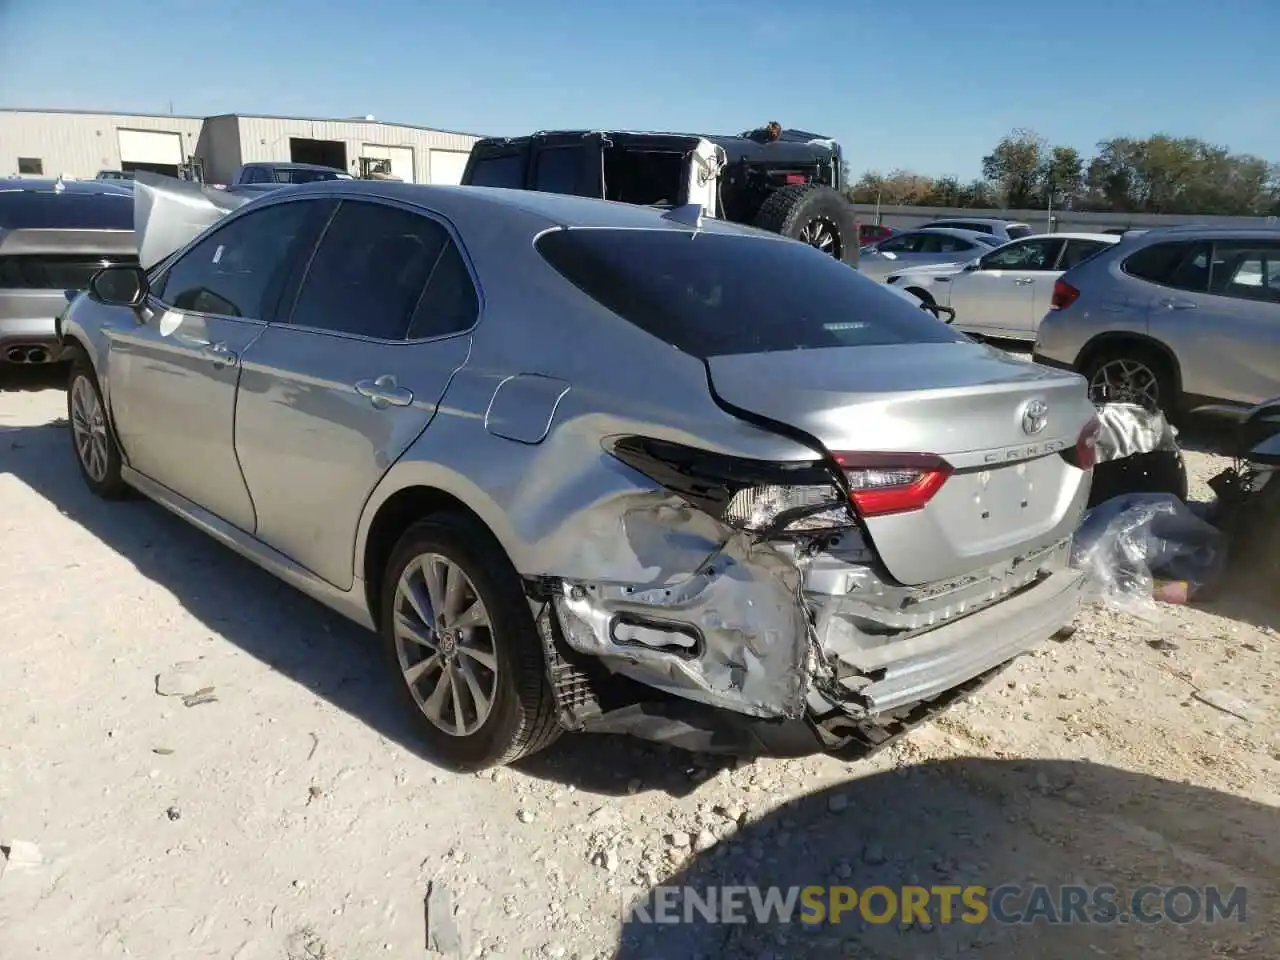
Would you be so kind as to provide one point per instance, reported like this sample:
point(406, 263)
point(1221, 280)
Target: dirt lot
point(286, 815)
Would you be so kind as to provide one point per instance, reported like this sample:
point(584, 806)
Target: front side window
point(231, 272)
point(899, 244)
point(942, 243)
point(1039, 254)
point(368, 274)
point(724, 294)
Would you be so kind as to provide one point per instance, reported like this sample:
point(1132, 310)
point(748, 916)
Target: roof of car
point(556, 209)
point(943, 231)
point(288, 165)
point(997, 221)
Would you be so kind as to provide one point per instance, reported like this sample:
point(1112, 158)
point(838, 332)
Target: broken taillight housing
point(789, 509)
point(881, 484)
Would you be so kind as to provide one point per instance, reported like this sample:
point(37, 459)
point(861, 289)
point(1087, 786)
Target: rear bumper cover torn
point(803, 630)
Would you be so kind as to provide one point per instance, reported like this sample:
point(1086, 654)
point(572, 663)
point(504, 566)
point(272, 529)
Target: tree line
point(1155, 174)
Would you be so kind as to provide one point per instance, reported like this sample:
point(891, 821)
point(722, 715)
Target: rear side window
point(368, 274)
point(1078, 251)
point(558, 170)
point(716, 295)
point(505, 171)
point(1183, 265)
point(49, 210)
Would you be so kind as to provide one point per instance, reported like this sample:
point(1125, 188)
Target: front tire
point(93, 440)
point(463, 648)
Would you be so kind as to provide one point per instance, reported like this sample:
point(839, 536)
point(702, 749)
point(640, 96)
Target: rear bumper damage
point(790, 646)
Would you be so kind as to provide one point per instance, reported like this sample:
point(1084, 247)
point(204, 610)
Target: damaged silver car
point(587, 465)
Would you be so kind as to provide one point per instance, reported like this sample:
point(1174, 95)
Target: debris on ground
point(18, 854)
point(1229, 703)
point(1125, 543)
point(443, 935)
point(183, 679)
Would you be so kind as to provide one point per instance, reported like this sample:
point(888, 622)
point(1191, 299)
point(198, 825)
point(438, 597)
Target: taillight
point(1085, 455)
point(794, 178)
point(881, 484)
point(1064, 295)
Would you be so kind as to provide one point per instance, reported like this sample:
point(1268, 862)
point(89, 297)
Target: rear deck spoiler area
point(169, 213)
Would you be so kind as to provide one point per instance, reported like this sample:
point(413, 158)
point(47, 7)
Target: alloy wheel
point(89, 427)
point(824, 235)
point(445, 646)
point(1125, 381)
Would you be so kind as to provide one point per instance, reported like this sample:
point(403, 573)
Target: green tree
point(1062, 177)
point(1016, 167)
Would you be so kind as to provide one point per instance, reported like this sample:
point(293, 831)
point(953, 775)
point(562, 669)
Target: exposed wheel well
point(1114, 342)
point(403, 508)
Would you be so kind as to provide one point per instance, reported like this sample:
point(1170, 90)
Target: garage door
point(151, 147)
point(401, 159)
point(447, 166)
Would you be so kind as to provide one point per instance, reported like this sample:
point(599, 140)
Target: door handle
point(218, 352)
point(1178, 304)
point(1023, 281)
point(384, 392)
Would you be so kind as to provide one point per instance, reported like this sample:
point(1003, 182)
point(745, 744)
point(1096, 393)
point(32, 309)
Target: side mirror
point(120, 286)
point(973, 265)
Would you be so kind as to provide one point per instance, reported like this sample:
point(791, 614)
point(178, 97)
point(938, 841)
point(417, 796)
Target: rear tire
point(814, 214)
point(474, 683)
point(1132, 373)
point(92, 438)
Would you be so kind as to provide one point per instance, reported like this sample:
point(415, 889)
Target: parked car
point(54, 236)
point(869, 233)
point(1005, 230)
point(1004, 293)
point(587, 466)
point(790, 186)
point(1172, 318)
point(269, 176)
point(927, 246)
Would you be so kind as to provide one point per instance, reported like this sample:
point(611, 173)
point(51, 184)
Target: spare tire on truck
point(815, 214)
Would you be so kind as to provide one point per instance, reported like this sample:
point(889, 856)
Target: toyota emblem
point(1035, 415)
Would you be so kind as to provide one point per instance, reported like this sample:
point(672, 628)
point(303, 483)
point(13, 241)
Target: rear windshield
point(50, 210)
point(713, 295)
point(1018, 230)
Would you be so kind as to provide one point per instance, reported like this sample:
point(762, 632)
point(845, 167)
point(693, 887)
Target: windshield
point(714, 294)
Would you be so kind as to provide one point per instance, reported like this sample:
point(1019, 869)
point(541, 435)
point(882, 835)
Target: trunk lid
point(1010, 490)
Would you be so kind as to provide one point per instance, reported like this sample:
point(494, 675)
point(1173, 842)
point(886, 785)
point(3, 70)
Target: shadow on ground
point(989, 823)
point(302, 639)
point(16, 378)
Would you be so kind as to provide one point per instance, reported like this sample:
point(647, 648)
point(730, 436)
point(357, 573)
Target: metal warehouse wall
point(906, 218)
point(267, 138)
point(78, 144)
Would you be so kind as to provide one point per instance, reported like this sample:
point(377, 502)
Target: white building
point(76, 144)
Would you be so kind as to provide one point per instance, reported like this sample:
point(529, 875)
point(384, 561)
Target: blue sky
point(929, 85)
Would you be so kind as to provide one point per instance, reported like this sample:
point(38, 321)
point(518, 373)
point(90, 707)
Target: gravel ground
point(284, 814)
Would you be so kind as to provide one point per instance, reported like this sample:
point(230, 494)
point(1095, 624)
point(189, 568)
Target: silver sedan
point(588, 466)
point(923, 247)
